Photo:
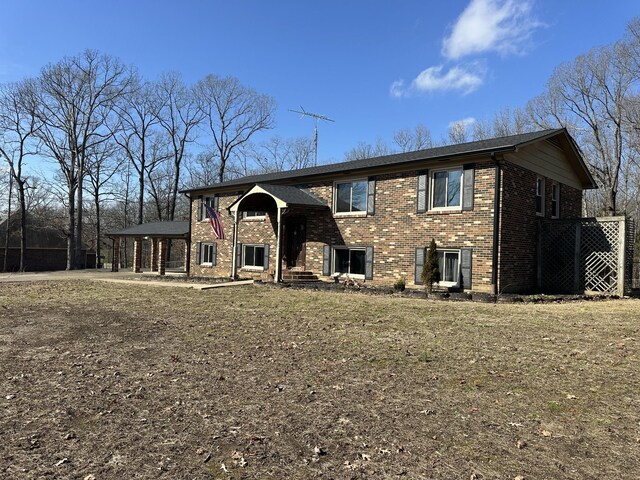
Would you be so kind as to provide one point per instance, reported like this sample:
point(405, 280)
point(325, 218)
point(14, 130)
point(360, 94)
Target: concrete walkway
point(126, 277)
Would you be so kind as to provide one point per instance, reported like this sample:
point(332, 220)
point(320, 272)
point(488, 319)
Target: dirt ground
point(104, 381)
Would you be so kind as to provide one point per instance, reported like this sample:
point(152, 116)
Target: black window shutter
point(326, 260)
point(419, 263)
point(266, 256)
point(199, 207)
point(465, 268)
point(214, 254)
point(198, 253)
point(422, 194)
point(468, 178)
point(216, 203)
point(239, 255)
point(371, 196)
point(368, 264)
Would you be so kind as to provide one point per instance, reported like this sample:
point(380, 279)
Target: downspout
point(188, 259)
point(496, 225)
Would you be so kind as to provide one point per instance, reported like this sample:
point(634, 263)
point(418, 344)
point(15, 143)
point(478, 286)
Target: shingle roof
point(154, 229)
point(293, 195)
point(493, 144)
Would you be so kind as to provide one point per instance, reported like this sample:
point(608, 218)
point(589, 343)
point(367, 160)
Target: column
point(276, 277)
point(187, 245)
point(235, 245)
point(162, 255)
point(137, 254)
point(115, 255)
point(154, 254)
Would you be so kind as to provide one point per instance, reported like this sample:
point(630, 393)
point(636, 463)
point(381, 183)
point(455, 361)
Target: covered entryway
point(159, 235)
point(288, 208)
point(294, 234)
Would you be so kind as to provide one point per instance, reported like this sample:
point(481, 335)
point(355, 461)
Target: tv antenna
point(316, 117)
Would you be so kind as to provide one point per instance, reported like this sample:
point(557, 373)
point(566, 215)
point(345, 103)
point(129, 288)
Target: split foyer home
point(371, 219)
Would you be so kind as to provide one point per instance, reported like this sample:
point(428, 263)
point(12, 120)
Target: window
point(555, 200)
point(253, 214)
point(449, 263)
point(349, 261)
point(350, 197)
point(539, 196)
point(207, 254)
point(446, 192)
point(253, 256)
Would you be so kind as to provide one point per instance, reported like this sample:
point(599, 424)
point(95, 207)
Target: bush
point(430, 268)
point(400, 284)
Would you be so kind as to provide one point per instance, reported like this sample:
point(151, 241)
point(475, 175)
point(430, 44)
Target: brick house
point(371, 219)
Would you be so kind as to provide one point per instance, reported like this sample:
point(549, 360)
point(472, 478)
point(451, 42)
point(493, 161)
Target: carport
point(159, 234)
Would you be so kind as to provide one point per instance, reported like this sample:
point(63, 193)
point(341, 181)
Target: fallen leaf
point(545, 433)
point(521, 444)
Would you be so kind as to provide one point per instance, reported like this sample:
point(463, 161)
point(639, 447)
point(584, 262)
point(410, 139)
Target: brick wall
point(519, 225)
point(395, 230)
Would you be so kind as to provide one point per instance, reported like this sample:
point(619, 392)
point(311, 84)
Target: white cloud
point(465, 79)
point(397, 89)
point(503, 26)
point(464, 122)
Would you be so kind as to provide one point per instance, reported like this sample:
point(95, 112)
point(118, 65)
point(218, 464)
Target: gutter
point(496, 224)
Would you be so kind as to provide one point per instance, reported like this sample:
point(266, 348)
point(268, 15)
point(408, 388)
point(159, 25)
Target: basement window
point(349, 261)
point(449, 264)
point(253, 257)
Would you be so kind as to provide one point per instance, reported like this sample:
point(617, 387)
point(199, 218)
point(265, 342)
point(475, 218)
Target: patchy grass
point(143, 382)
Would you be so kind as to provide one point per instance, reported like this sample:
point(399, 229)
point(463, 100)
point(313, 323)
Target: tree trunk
point(140, 197)
point(78, 247)
point(6, 245)
point(97, 204)
point(71, 257)
point(23, 225)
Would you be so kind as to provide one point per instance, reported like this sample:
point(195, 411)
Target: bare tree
point(588, 96)
point(18, 127)
point(366, 150)
point(104, 163)
point(233, 114)
point(417, 139)
point(78, 95)
point(179, 116)
point(458, 133)
point(138, 114)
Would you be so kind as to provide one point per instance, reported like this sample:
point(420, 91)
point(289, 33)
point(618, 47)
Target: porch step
point(299, 276)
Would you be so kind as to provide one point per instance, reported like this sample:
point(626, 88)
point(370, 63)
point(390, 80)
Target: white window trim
point(202, 247)
point(254, 268)
point(541, 213)
point(431, 180)
point(555, 214)
point(357, 276)
point(450, 250)
point(335, 198)
point(205, 204)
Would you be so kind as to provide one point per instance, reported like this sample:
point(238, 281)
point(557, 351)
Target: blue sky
point(373, 66)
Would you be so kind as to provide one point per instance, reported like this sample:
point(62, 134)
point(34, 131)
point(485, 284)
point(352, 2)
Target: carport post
point(154, 254)
point(235, 245)
point(137, 254)
point(276, 278)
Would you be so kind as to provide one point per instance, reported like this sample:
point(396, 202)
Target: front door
point(295, 236)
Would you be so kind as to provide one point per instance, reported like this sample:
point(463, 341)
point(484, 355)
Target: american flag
point(216, 223)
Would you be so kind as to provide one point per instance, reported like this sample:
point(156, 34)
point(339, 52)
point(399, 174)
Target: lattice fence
point(586, 255)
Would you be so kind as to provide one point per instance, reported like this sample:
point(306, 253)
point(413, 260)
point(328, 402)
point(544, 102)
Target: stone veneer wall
point(519, 225)
point(395, 230)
